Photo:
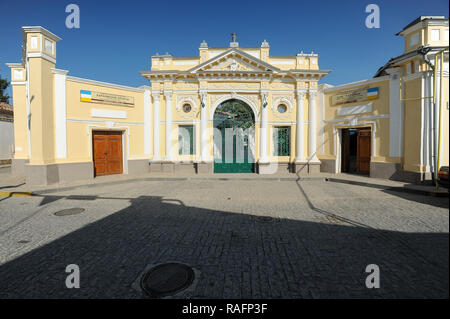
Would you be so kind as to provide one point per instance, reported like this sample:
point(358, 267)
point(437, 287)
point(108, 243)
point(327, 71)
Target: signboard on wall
point(106, 98)
point(357, 95)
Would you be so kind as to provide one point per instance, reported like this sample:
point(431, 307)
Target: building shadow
point(404, 192)
point(238, 256)
point(438, 201)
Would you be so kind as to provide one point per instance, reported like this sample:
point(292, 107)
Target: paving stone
point(314, 250)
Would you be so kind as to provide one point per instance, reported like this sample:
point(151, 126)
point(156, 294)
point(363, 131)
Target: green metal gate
point(234, 125)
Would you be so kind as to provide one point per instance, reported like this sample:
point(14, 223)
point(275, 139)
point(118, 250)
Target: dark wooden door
point(363, 151)
point(345, 150)
point(107, 150)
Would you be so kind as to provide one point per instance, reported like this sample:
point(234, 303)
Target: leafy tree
point(3, 85)
point(234, 112)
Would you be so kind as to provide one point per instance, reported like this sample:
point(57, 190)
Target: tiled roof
point(6, 108)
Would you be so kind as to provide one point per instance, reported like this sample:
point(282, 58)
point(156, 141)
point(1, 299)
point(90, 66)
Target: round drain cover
point(69, 211)
point(264, 219)
point(167, 279)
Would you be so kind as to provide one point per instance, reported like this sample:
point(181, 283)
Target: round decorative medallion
point(282, 108)
point(187, 108)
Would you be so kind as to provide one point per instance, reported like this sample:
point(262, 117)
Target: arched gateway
point(234, 138)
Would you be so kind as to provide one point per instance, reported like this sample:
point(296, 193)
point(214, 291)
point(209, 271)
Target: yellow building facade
point(230, 109)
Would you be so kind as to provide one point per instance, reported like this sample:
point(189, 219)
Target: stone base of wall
point(314, 168)
point(58, 173)
point(204, 167)
point(328, 165)
point(67, 172)
point(394, 171)
point(138, 166)
point(162, 167)
point(185, 168)
point(384, 170)
point(274, 168)
point(155, 167)
point(306, 168)
point(41, 174)
point(301, 168)
point(72, 171)
point(167, 167)
point(18, 166)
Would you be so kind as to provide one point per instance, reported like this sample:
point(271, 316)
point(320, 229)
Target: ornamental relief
point(283, 86)
point(286, 100)
point(185, 86)
point(184, 111)
point(234, 86)
point(231, 65)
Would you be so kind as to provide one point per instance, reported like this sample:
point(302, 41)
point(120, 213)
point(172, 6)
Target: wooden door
point(363, 151)
point(107, 150)
point(345, 150)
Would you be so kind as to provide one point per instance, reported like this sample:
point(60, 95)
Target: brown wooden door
point(363, 152)
point(345, 150)
point(107, 150)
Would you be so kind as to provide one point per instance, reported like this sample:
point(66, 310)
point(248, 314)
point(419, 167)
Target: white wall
point(6, 140)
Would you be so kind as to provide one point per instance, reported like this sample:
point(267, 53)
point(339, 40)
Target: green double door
point(234, 138)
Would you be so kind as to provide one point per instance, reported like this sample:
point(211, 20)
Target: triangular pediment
point(234, 60)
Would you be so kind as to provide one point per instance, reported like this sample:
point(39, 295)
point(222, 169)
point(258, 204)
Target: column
point(312, 127)
point(156, 127)
point(147, 118)
point(300, 156)
point(263, 131)
point(168, 96)
point(60, 112)
point(204, 156)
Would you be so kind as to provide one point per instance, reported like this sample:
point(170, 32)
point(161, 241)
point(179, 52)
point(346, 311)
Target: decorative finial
point(233, 37)
point(203, 44)
point(264, 44)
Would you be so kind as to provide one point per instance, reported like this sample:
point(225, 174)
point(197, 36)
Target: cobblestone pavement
point(317, 245)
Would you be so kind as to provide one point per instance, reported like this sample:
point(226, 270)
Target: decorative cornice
point(105, 84)
point(168, 94)
point(14, 65)
point(59, 71)
point(41, 55)
point(301, 93)
point(358, 83)
point(156, 96)
point(39, 29)
point(312, 93)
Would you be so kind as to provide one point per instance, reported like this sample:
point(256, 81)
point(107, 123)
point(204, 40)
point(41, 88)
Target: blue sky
point(117, 39)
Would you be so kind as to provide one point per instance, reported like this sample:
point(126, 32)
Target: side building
point(389, 126)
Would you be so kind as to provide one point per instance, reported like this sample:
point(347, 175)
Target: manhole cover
point(265, 219)
point(69, 211)
point(167, 279)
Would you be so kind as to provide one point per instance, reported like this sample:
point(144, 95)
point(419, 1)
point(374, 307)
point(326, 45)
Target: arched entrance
point(234, 138)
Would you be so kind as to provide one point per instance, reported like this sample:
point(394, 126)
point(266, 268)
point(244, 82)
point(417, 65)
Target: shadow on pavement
point(424, 199)
point(238, 255)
